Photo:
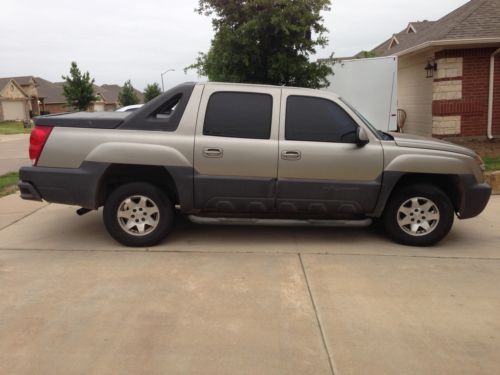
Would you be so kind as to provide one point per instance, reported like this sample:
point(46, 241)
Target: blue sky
point(119, 40)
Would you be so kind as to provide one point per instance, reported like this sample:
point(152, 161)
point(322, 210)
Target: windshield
point(379, 134)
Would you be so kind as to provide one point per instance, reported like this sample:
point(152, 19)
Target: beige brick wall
point(446, 125)
point(447, 90)
point(449, 67)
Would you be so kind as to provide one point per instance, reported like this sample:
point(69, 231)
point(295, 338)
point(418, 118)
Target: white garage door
point(13, 110)
point(98, 107)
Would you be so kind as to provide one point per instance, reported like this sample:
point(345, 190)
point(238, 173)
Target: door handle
point(291, 155)
point(213, 152)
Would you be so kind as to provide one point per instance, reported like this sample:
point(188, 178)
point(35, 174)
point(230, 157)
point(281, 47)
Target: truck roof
point(259, 85)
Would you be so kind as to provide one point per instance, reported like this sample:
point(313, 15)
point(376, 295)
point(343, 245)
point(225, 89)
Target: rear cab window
point(239, 115)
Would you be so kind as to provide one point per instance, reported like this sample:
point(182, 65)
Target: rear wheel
point(138, 214)
point(418, 215)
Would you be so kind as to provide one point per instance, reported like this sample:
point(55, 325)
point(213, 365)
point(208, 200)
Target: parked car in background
point(251, 154)
point(129, 108)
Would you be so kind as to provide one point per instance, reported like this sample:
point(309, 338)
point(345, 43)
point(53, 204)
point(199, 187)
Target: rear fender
point(138, 153)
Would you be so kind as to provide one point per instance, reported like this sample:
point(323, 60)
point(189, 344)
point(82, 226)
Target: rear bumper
point(73, 186)
point(474, 197)
point(28, 191)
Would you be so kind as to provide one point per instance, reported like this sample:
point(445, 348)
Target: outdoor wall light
point(431, 67)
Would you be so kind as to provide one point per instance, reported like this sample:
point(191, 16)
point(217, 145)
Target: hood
point(415, 141)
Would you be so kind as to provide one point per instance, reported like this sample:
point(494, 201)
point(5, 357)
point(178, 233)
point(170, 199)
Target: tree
point(127, 95)
point(151, 91)
point(265, 41)
point(78, 88)
point(366, 54)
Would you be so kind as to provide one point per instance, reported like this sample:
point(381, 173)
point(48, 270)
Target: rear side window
point(318, 120)
point(239, 115)
point(167, 109)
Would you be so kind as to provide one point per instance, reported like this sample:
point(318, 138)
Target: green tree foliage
point(265, 41)
point(127, 95)
point(151, 91)
point(366, 55)
point(78, 88)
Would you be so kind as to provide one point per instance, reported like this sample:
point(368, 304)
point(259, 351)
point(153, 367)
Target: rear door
point(321, 168)
point(236, 148)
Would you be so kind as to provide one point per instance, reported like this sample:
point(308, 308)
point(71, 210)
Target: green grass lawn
point(8, 183)
point(492, 163)
point(13, 127)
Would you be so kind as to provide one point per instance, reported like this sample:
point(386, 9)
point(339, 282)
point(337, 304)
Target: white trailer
point(370, 85)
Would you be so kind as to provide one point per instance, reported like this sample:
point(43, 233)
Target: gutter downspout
point(491, 93)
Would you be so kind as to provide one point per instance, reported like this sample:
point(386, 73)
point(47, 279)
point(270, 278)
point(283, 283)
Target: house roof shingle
point(110, 93)
point(474, 20)
point(51, 91)
point(22, 80)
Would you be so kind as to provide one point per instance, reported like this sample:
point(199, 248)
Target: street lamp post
point(165, 72)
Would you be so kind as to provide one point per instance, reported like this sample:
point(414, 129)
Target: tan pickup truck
point(250, 154)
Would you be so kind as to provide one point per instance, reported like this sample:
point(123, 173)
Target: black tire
point(439, 227)
point(156, 200)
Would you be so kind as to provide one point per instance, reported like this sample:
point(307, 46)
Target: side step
point(280, 222)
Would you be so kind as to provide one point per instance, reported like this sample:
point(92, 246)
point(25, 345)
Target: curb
point(493, 179)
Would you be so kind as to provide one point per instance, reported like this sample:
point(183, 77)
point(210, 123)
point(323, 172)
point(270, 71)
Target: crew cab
point(250, 154)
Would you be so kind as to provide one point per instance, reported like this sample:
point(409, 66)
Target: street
point(13, 152)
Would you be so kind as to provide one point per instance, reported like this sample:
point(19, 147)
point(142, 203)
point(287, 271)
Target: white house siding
point(415, 93)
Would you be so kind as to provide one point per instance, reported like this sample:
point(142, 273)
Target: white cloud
point(120, 40)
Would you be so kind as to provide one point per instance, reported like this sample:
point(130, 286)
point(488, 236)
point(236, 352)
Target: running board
point(280, 222)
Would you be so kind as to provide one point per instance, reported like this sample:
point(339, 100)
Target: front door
point(321, 168)
point(236, 149)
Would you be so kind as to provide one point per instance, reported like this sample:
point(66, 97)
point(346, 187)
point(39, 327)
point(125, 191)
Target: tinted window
point(318, 120)
point(167, 109)
point(238, 114)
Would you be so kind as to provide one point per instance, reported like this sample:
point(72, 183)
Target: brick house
point(18, 98)
point(54, 100)
point(22, 97)
point(449, 72)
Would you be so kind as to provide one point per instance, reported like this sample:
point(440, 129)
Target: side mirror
point(361, 137)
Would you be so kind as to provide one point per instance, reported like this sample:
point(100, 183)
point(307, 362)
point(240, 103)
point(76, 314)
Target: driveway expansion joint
point(149, 250)
point(323, 339)
point(24, 217)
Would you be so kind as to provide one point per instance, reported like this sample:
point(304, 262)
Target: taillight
point(39, 136)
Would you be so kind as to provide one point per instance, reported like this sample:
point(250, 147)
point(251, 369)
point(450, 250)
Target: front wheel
point(138, 214)
point(418, 215)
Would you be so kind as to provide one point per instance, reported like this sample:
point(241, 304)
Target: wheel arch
point(170, 180)
point(450, 184)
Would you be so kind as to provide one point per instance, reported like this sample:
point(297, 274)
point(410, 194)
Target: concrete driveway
point(244, 300)
point(13, 152)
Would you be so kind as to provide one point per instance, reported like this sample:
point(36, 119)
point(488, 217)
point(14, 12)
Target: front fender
point(412, 163)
